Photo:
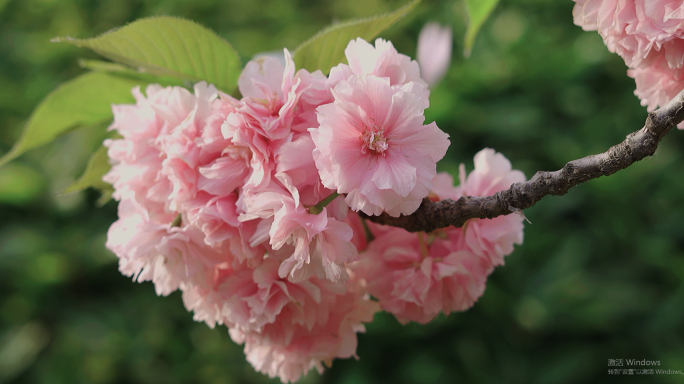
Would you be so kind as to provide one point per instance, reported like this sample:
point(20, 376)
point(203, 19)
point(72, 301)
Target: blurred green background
point(599, 276)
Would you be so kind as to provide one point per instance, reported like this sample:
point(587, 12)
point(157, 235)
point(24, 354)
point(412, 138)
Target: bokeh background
point(599, 276)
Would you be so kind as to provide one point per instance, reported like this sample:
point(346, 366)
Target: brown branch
point(638, 145)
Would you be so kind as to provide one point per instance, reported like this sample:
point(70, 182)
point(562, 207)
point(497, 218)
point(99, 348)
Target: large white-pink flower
point(372, 145)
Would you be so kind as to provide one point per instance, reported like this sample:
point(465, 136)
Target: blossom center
point(272, 103)
point(373, 140)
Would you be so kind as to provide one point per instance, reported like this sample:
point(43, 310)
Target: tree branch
point(638, 145)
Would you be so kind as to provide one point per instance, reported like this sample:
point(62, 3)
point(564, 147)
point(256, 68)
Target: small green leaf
point(478, 12)
point(326, 49)
point(98, 165)
point(169, 46)
point(83, 101)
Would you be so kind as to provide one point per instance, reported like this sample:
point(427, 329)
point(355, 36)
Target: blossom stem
point(177, 221)
point(422, 245)
point(637, 146)
point(367, 231)
point(318, 208)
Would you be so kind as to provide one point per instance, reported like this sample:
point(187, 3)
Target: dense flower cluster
point(221, 198)
point(648, 35)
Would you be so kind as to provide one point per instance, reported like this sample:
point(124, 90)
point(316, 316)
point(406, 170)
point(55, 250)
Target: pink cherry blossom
point(276, 104)
point(170, 257)
point(381, 60)
point(149, 242)
point(316, 321)
point(416, 276)
point(222, 199)
point(657, 83)
point(434, 52)
point(310, 244)
point(138, 156)
point(648, 35)
point(443, 188)
point(372, 145)
point(296, 170)
point(181, 150)
point(206, 170)
point(491, 238)
point(270, 93)
point(287, 328)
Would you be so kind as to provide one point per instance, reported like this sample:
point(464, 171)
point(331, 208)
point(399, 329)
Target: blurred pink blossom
point(648, 35)
point(434, 52)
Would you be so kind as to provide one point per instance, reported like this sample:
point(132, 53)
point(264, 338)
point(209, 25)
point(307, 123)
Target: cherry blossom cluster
point(249, 206)
point(648, 35)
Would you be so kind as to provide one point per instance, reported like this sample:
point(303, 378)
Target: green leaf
point(478, 12)
point(130, 73)
point(326, 49)
point(83, 101)
point(98, 165)
point(20, 184)
point(169, 46)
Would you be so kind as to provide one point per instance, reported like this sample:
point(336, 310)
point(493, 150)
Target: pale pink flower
point(434, 52)
point(287, 328)
point(240, 129)
point(216, 194)
point(381, 60)
point(372, 145)
point(493, 173)
point(171, 257)
point(269, 94)
point(491, 238)
point(296, 170)
point(315, 92)
point(206, 170)
point(443, 188)
point(269, 110)
point(648, 35)
point(183, 155)
point(223, 302)
point(415, 276)
point(177, 206)
point(657, 83)
point(138, 156)
point(248, 298)
point(315, 322)
point(278, 100)
point(310, 244)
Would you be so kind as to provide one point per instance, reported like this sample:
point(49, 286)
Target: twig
point(638, 145)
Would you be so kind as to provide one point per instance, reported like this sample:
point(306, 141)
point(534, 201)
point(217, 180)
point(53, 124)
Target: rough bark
point(638, 145)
